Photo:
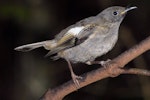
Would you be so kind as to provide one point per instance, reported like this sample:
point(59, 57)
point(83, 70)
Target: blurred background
point(27, 76)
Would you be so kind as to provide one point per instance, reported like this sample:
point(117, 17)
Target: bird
point(85, 40)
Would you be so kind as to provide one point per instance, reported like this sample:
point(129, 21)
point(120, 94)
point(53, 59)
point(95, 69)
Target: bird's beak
point(128, 9)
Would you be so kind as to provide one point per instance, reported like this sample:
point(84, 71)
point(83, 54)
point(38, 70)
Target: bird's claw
point(110, 69)
point(104, 63)
point(76, 80)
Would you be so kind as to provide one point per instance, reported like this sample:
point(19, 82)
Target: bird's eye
point(115, 13)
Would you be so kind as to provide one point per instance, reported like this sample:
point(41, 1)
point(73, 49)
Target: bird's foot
point(108, 65)
point(76, 79)
point(104, 63)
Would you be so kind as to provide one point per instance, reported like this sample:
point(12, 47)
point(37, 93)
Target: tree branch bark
point(112, 69)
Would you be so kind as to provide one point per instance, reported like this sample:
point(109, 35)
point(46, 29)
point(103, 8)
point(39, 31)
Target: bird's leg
point(73, 75)
point(92, 62)
point(103, 63)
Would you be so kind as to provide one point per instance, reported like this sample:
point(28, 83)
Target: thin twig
point(136, 71)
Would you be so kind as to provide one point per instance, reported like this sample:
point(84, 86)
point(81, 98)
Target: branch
point(113, 68)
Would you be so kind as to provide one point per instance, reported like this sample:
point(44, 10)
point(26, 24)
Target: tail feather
point(29, 47)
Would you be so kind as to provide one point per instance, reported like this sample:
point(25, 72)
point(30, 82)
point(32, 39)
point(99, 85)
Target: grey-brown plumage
point(85, 40)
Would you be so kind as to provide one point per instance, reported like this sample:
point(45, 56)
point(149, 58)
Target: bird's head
point(115, 13)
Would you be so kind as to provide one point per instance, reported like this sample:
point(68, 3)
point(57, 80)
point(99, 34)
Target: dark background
point(26, 76)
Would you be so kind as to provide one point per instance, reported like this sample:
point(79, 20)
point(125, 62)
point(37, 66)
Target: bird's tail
point(46, 44)
point(29, 47)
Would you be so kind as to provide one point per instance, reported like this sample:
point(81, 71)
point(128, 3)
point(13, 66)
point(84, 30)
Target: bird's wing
point(73, 37)
point(79, 32)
